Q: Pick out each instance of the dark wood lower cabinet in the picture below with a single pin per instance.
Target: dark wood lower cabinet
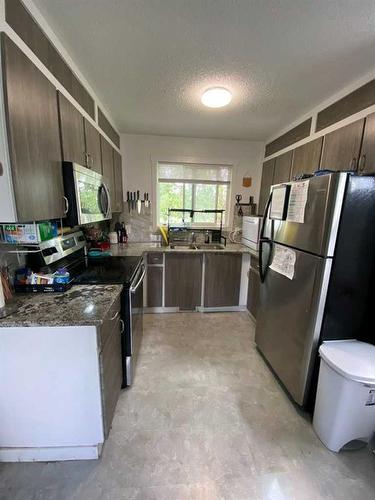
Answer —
(222, 279)
(183, 280)
(253, 290)
(154, 286)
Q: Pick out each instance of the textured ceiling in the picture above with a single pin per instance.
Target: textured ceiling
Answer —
(150, 60)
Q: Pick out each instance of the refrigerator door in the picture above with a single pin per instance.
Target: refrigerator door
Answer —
(317, 233)
(289, 320)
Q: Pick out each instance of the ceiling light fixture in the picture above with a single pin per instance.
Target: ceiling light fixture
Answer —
(216, 97)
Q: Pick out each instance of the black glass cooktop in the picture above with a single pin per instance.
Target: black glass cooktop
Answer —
(108, 271)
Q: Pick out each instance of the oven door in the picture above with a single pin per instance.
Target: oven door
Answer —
(92, 196)
(133, 324)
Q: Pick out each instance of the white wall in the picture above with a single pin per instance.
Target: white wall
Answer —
(140, 153)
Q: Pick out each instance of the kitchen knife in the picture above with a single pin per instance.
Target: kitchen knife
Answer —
(128, 199)
(139, 203)
(134, 199)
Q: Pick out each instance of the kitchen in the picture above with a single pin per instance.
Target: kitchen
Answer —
(194, 218)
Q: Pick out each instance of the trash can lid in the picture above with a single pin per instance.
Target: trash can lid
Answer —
(351, 358)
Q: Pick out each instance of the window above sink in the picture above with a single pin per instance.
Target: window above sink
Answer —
(196, 187)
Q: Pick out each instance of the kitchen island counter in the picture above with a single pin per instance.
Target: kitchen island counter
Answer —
(79, 306)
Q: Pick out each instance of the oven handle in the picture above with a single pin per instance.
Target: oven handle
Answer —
(134, 288)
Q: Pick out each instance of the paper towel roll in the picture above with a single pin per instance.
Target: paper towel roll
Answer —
(113, 238)
(2, 298)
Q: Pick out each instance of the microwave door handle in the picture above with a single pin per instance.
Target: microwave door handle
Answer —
(107, 209)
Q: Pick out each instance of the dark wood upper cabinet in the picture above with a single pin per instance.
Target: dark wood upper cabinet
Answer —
(341, 148)
(107, 167)
(359, 99)
(117, 204)
(283, 164)
(293, 135)
(183, 280)
(222, 279)
(27, 28)
(93, 150)
(266, 183)
(367, 158)
(107, 128)
(33, 136)
(306, 158)
(72, 132)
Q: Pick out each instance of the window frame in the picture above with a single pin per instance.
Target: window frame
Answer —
(194, 183)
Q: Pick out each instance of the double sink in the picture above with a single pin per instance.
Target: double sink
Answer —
(196, 246)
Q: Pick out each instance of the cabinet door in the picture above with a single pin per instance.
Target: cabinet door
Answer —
(222, 279)
(107, 166)
(154, 286)
(111, 375)
(72, 132)
(117, 172)
(183, 280)
(283, 164)
(33, 135)
(341, 147)
(367, 159)
(92, 139)
(253, 290)
(267, 181)
(306, 158)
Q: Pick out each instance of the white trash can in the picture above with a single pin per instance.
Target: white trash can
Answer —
(345, 400)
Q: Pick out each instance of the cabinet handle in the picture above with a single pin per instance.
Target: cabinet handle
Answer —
(352, 163)
(362, 163)
(66, 201)
(122, 326)
(88, 160)
(115, 316)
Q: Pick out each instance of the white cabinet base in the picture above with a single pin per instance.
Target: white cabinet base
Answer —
(50, 394)
(50, 454)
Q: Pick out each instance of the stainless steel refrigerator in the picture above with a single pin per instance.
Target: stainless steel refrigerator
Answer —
(317, 253)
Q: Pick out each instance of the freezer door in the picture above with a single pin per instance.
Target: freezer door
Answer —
(289, 321)
(317, 234)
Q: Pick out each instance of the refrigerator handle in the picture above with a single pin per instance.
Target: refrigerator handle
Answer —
(262, 240)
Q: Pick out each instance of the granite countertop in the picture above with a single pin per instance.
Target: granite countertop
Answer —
(81, 305)
(138, 249)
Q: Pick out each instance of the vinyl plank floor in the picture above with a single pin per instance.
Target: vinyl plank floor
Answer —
(205, 420)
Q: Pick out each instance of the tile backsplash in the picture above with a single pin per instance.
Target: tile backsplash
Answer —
(139, 226)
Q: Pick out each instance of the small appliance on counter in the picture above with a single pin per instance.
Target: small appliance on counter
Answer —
(87, 196)
(250, 231)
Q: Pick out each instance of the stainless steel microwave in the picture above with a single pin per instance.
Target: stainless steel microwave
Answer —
(87, 197)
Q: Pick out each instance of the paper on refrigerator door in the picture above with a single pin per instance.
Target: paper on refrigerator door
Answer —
(297, 202)
(283, 261)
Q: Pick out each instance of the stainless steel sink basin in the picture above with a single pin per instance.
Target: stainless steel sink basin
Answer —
(193, 246)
